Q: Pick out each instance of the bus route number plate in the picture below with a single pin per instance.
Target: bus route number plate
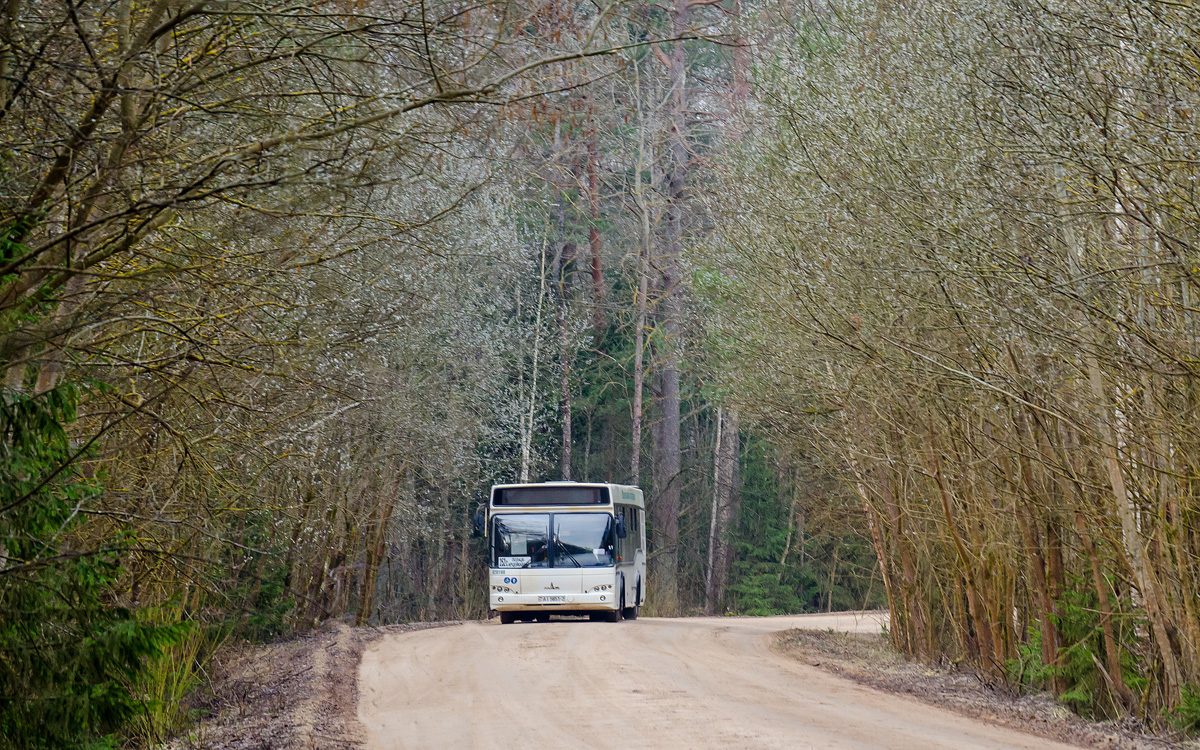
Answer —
(552, 598)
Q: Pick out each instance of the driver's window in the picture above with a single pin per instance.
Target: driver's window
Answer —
(521, 541)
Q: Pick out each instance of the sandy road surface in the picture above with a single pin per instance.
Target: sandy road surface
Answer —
(692, 683)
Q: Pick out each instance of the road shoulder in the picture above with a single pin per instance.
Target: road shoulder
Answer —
(299, 693)
(869, 660)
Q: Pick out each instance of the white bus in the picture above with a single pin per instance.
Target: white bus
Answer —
(566, 548)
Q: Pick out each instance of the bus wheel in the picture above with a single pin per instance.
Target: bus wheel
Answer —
(508, 618)
(615, 615)
(631, 613)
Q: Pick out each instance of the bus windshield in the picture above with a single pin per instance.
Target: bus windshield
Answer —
(552, 540)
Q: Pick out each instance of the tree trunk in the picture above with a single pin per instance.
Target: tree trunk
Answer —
(565, 354)
(647, 245)
(1112, 654)
(976, 603)
(668, 455)
(726, 496)
(639, 376)
(1144, 576)
(665, 510)
(712, 519)
(375, 550)
(565, 402)
(527, 418)
(1036, 564)
(914, 609)
(593, 191)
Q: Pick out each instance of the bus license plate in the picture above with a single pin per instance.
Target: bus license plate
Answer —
(552, 598)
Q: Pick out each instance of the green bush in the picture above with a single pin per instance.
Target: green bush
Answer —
(1186, 715)
(69, 656)
(1028, 671)
(172, 676)
(765, 588)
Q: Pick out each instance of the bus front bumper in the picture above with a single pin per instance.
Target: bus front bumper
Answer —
(592, 601)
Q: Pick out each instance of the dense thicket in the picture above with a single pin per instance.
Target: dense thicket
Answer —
(963, 257)
(312, 279)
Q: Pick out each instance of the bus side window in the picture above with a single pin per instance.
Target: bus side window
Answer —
(623, 543)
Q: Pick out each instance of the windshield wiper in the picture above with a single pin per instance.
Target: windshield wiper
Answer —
(558, 543)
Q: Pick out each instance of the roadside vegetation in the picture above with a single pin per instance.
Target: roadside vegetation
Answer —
(883, 305)
(963, 267)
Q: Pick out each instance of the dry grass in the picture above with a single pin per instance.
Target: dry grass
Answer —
(298, 694)
(870, 660)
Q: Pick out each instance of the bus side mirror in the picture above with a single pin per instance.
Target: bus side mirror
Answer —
(621, 530)
(477, 525)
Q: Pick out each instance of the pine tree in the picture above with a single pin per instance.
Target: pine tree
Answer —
(69, 658)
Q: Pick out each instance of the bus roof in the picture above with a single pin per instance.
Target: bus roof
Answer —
(565, 494)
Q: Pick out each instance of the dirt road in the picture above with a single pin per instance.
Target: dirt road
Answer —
(692, 683)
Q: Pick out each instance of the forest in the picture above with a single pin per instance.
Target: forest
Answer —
(884, 304)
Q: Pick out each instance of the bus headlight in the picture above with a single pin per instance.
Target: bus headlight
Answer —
(602, 587)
